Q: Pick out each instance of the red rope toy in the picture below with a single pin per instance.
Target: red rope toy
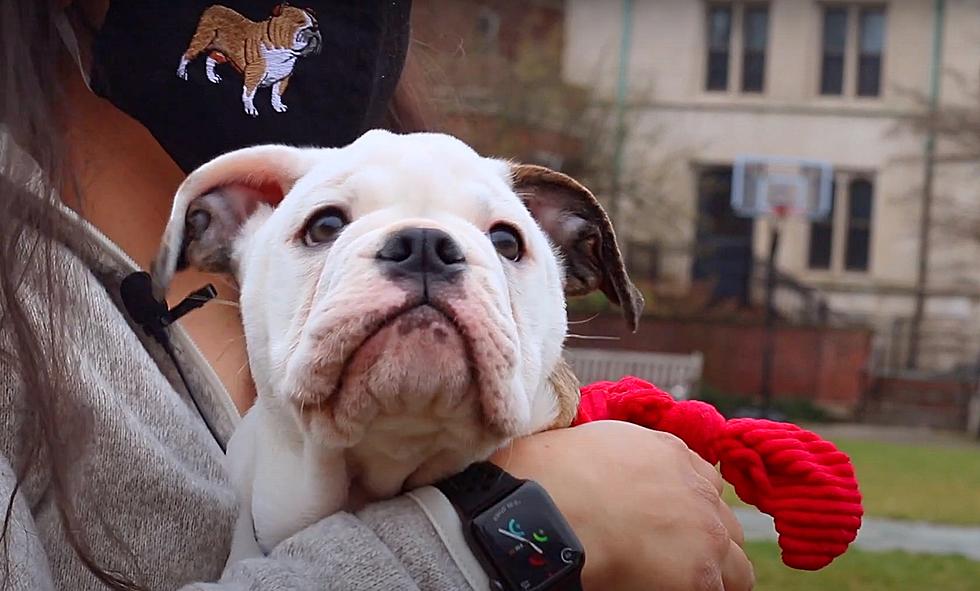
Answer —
(803, 481)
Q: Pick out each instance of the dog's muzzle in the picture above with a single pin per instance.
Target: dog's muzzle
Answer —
(313, 42)
(425, 340)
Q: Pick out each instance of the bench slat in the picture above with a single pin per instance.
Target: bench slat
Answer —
(678, 374)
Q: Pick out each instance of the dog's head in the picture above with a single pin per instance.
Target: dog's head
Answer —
(401, 287)
(296, 29)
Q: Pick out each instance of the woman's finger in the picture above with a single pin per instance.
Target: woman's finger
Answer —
(708, 471)
(736, 570)
(731, 522)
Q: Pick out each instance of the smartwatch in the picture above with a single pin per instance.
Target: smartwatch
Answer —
(515, 530)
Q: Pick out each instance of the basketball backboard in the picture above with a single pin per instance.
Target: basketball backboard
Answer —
(781, 187)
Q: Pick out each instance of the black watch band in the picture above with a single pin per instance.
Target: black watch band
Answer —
(478, 487)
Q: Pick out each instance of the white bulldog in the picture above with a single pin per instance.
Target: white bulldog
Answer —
(404, 312)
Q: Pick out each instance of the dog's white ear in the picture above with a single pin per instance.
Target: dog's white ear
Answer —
(215, 200)
(578, 226)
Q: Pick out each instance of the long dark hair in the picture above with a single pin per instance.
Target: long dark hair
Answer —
(31, 110)
(31, 78)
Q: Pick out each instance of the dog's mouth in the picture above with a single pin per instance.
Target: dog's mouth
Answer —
(313, 43)
(414, 360)
(421, 332)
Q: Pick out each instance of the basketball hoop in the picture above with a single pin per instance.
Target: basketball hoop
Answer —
(778, 189)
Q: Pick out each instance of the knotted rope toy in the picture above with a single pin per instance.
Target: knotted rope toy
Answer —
(803, 481)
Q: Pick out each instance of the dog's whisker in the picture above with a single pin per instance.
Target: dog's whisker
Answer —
(231, 341)
(510, 454)
(227, 281)
(223, 302)
(589, 319)
(228, 344)
(589, 337)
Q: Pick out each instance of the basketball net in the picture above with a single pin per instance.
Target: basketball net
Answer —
(781, 210)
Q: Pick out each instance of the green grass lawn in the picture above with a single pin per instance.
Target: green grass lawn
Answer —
(933, 482)
(865, 571)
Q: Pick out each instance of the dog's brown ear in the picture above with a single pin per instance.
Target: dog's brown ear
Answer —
(215, 200)
(578, 226)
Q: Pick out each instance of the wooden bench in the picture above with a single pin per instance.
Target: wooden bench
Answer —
(678, 374)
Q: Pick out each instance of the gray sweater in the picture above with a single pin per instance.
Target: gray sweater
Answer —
(150, 488)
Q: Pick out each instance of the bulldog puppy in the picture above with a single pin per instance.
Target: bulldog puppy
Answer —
(263, 53)
(403, 300)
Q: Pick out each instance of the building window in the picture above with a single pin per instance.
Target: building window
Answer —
(738, 30)
(834, 50)
(871, 42)
(822, 237)
(719, 40)
(858, 225)
(755, 35)
(853, 46)
(842, 241)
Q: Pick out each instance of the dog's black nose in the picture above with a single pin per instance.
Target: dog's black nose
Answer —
(424, 253)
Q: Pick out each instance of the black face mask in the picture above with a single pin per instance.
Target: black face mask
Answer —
(209, 76)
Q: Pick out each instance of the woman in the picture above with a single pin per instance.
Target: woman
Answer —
(109, 474)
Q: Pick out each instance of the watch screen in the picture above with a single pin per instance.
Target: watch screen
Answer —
(527, 539)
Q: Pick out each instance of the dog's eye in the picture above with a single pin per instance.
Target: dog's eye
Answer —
(507, 241)
(324, 226)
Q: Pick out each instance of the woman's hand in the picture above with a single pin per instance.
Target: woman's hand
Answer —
(647, 509)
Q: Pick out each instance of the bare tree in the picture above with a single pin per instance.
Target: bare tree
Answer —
(518, 105)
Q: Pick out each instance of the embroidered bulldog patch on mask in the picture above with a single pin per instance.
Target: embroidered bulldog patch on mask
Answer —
(263, 53)
(207, 77)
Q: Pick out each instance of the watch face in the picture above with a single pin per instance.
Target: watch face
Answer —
(527, 539)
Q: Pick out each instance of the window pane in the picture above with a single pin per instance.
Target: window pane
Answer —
(753, 72)
(756, 25)
(834, 48)
(719, 27)
(719, 37)
(872, 31)
(871, 45)
(869, 75)
(822, 237)
(832, 75)
(754, 57)
(717, 70)
(834, 30)
(858, 225)
(857, 249)
(860, 205)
